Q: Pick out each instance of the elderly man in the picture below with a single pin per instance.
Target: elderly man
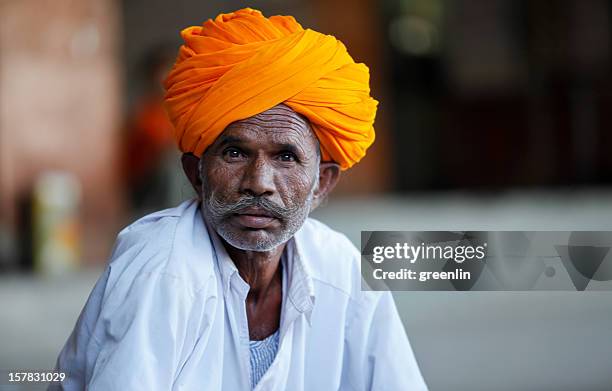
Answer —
(239, 290)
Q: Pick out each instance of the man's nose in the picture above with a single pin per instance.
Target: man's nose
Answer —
(258, 179)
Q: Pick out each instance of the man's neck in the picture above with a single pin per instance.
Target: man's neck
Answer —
(259, 269)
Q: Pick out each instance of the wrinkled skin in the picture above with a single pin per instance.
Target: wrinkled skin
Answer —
(257, 184)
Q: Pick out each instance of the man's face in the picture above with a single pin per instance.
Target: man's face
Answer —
(259, 177)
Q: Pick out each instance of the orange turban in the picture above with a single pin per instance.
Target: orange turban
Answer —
(243, 63)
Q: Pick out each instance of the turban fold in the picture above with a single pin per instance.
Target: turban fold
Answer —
(242, 63)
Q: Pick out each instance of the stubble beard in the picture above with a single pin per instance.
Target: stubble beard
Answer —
(218, 211)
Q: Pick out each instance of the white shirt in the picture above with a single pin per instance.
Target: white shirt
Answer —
(169, 314)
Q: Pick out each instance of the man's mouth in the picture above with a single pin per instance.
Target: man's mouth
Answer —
(254, 218)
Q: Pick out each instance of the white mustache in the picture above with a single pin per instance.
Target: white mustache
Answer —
(222, 209)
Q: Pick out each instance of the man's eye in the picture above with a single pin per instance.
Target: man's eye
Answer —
(287, 157)
(232, 153)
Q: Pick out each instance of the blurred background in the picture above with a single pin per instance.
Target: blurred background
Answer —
(494, 115)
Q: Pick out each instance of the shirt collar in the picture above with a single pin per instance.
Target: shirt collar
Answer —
(300, 288)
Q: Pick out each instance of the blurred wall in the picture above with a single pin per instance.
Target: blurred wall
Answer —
(495, 94)
(59, 107)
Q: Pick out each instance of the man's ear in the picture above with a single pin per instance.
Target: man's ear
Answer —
(329, 174)
(192, 170)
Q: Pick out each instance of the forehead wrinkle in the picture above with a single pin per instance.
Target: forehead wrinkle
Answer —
(270, 127)
(275, 124)
(284, 113)
(289, 116)
(275, 120)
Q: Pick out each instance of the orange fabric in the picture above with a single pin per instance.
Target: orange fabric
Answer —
(149, 135)
(242, 64)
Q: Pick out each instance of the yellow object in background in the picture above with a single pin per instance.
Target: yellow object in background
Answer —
(56, 200)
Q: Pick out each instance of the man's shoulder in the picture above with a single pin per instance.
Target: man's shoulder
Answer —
(322, 236)
(331, 257)
(173, 243)
(149, 230)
